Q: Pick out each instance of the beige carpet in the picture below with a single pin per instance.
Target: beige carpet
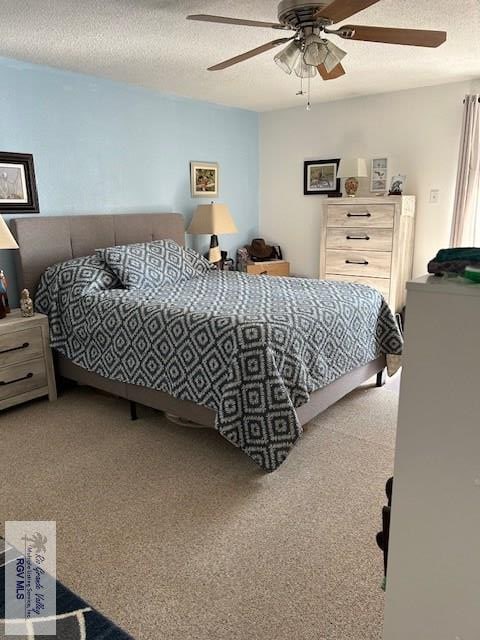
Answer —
(176, 535)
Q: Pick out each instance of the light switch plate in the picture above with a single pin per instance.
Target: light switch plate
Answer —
(434, 196)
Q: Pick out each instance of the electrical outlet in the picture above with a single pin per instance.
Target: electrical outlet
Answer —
(434, 196)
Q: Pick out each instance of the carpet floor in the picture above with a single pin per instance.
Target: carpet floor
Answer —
(176, 535)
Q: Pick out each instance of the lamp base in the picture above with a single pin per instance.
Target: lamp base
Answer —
(351, 187)
(214, 255)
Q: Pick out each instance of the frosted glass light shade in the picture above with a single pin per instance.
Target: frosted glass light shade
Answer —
(315, 51)
(305, 70)
(288, 57)
(334, 56)
(7, 241)
(352, 168)
(212, 219)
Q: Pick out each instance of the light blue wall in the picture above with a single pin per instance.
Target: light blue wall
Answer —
(106, 147)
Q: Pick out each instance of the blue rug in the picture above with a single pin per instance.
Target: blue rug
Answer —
(75, 619)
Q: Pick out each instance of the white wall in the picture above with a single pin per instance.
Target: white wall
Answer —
(419, 130)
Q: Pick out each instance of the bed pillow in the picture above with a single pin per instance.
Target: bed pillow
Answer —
(78, 276)
(148, 265)
(198, 262)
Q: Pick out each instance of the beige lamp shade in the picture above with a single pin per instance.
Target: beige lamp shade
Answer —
(352, 168)
(212, 219)
(7, 241)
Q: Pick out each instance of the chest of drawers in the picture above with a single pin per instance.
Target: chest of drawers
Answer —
(26, 368)
(369, 241)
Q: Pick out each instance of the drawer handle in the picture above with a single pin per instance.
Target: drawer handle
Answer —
(358, 237)
(25, 345)
(27, 377)
(263, 273)
(362, 262)
(367, 214)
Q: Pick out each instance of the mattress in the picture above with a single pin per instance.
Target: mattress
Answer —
(251, 348)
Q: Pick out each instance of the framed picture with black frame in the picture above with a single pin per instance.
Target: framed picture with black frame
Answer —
(320, 178)
(18, 188)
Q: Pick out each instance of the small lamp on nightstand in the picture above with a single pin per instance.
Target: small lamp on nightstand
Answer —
(212, 219)
(7, 241)
(351, 169)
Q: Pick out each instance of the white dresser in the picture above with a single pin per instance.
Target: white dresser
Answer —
(369, 241)
(433, 582)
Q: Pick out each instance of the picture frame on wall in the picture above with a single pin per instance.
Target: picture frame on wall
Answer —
(204, 178)
(379, 175)
(18, 187)
(320, 178)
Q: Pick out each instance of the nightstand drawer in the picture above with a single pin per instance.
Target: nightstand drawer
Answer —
(20, 346)
(367, 239)
(21, 378)
(277, 268)
(361, 215)
(372, 264)
(380, 284)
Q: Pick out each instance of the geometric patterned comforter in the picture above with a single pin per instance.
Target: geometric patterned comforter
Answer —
(251, 348)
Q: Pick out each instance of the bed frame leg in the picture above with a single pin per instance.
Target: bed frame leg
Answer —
(381, 378)
(133, 411)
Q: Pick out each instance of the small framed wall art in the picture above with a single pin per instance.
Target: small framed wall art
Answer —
(379, 175)
(18, 188)
(204, 178)
(320, 178)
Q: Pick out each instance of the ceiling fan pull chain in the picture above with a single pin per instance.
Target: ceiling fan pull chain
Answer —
(309, 106)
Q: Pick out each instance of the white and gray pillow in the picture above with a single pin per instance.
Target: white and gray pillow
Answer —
(148, 265)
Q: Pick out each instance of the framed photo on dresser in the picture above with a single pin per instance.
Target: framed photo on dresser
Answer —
(379, 175)
(320, 178)
(18, 188)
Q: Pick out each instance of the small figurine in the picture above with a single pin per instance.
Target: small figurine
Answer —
(26, 304)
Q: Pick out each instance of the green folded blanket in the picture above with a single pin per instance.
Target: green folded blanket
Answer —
(470, 254)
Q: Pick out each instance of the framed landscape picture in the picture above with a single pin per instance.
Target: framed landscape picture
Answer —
(204, 179)
(18, 189)
(320, 178)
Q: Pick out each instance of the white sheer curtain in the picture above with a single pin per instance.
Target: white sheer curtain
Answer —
(466, 215)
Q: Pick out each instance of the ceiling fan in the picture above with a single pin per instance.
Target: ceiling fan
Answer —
(308, 52)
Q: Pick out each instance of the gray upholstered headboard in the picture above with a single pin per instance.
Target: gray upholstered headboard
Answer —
(44, 241)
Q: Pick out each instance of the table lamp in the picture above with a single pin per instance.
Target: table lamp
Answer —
(7, 241)
(212, 219)
(351, 169)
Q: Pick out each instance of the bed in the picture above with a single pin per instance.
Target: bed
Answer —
(277, 398)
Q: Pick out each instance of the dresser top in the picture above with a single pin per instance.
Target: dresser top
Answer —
(455, 286)
(371, 200)
(14, 321)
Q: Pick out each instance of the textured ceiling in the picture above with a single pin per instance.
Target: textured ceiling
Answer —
(149, 42)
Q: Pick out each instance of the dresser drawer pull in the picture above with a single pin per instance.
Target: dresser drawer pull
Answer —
(362, 262)
(27, 377)
(25, 345)
(365, 237)
(367, 214)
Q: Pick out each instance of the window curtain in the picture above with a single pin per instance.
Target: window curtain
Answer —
(467, 197)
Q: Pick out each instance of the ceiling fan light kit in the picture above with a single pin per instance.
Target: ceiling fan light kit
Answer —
(308, 52)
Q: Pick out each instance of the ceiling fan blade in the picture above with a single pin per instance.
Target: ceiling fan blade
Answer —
(338, 72)
(249, 54)
(342, 9)
(237, 21)
(412, 37)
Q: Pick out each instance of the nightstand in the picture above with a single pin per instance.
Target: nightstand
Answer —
(26, 366)
(269, 268)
